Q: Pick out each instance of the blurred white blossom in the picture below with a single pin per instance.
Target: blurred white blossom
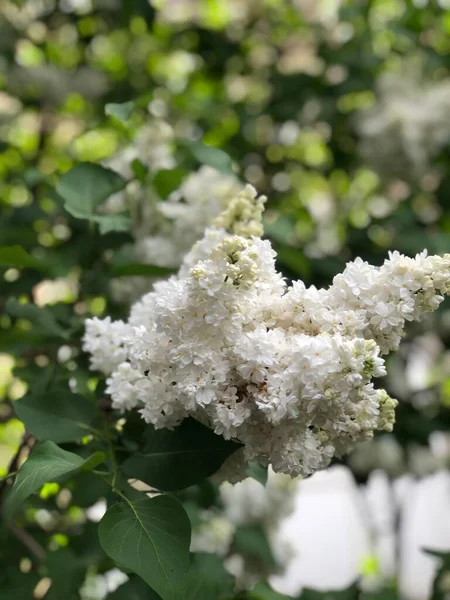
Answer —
(408, 125)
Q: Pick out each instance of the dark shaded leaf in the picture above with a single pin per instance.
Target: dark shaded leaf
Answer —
(58, 416)
(66, 572)
(139, 169)
(168, 180)
(208, 579)
(263, 591)
(16, 256)
(41, 318)
(134, 589)
(173, 460)
(251, 540)
(351, 593)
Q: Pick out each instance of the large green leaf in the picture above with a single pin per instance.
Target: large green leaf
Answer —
(14, 584)
(46, 462)
(134, 589)
(85, 187)
(173, 460)
(263, 591)
(351, 593)
(42, 319)
(251, 540)
(59, 416)
(151, 537)
(16, 256)
(67, 573)
(208, 579)
(211, 156)
(168, 180)
(86, 488)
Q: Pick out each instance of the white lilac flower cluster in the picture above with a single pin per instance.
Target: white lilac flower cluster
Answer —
(407, 127)
(286, 370)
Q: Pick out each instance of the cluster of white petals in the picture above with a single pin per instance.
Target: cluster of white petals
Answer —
(407, 127)
(285, 370)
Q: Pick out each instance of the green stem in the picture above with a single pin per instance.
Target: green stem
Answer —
(97, 433)
(114, 466)
(8, 475)
(101, 473)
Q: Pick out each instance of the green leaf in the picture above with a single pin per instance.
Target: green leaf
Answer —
(46, 462)
(263, 591)
(66, 572)
(16, 256)
(151, 537)
(139, 169)
(122, 112)
(351, 593)
(208, 579)
(139, 269)
(211, 156)
(85, 187)
(14, 584)
(42, 318)
(168, 180)
(108, 223)
(441, 554)
(251, 540)
(134, 589)
(177, 459)
(258, 472)
(294, 260)
(37, 377)
(384, 594)
(441, 573)
(86, 488)
(58, 416)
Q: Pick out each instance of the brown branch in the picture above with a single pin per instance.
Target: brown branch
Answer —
(27, 442)
(23, 536)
